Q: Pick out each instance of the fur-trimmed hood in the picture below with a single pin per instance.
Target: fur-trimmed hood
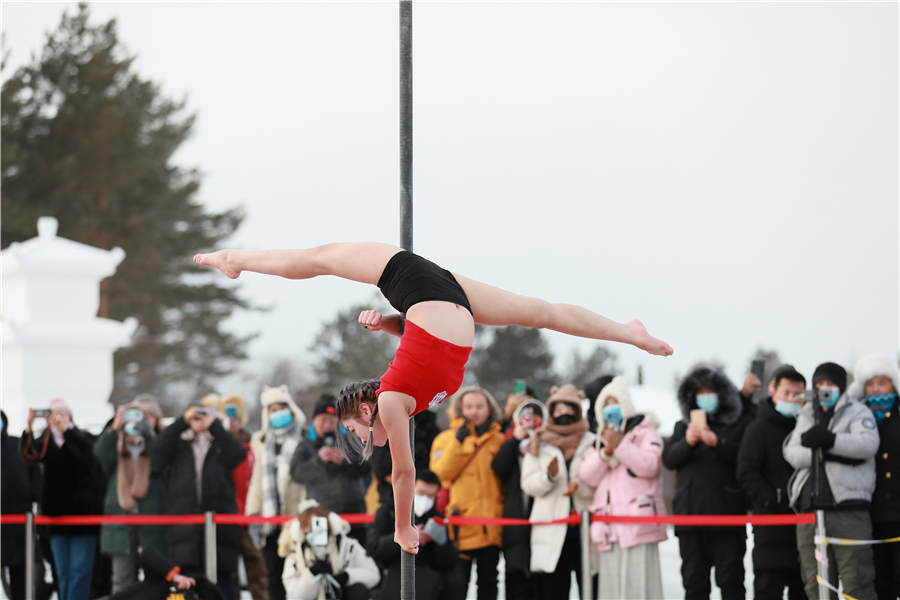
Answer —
(871, 366)
(271, 395)
(730, 406)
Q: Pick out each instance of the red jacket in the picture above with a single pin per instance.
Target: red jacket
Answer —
(241, 476)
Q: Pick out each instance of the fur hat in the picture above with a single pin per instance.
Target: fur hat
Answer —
(568, 394)
(618, 389)
(871, 366)
(831, 372)
(212, 400)
(280, 394)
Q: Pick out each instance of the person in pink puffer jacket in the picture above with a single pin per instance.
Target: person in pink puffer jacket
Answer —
(625, 466)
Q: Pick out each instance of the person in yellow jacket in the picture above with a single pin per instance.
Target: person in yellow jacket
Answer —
(461, 457)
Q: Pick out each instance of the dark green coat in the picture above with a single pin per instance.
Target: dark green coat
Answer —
(114, 538)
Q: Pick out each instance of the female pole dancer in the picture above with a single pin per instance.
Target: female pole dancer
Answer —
(441, 309)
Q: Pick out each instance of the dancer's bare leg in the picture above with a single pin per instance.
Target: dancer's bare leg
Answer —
(495, 306)
(363, 262)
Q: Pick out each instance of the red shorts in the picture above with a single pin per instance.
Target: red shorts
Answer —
(425, 367)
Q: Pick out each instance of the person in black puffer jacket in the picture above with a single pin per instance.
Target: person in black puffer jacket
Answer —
(876, 383)
(199, 456)
(73, 485)
(507, 464)
(704, 459)
(20, 488)
(764, 473)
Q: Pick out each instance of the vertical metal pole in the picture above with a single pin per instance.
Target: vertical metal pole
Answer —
(209, 537)
(29, 556)
(585, 583)
(407, 560)
(406, 139)
(822, 551)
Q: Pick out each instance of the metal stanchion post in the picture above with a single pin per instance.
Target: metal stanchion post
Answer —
(585, 583)
(209, 536)
(29, 556)
(822, 551)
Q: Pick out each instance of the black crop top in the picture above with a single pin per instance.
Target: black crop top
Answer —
(409, 279)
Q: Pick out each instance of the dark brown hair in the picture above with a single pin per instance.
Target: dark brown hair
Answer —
(347, 406)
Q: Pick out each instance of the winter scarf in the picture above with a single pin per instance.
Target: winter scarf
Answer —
(132, 474)
(277, 469)
(564, 437)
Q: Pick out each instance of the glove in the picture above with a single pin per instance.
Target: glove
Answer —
(342, 578)
(484, 426)
(320, 566)
(463, 432)
(817, 436)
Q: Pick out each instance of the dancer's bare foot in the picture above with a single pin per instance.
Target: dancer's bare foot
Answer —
(219, 260)
(643, 340)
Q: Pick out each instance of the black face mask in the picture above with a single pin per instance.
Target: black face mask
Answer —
(565, 419)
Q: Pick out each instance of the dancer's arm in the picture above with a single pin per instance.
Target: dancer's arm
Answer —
(395, 418)
(375, 321)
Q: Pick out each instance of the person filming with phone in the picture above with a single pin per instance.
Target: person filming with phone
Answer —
(322, 561)
(199, 455)
(126, 450)
(73, 485)
(703, 453)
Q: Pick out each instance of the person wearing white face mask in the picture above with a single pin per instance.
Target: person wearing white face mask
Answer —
(835, 448)
(764, 473)
(272, 491)
(436, 574)
(703, 451)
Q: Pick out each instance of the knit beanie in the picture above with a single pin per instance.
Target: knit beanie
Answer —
(325, 405)
(831, 372)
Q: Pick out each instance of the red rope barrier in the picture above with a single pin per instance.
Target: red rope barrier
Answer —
(362, 518)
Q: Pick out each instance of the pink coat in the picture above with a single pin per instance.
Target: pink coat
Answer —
(631, 486)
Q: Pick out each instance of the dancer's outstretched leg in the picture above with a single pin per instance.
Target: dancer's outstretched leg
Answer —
(494, 306)
(362, 261)
(365, 262)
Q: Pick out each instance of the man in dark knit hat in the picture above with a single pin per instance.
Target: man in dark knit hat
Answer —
(335, 483)
(832, 449)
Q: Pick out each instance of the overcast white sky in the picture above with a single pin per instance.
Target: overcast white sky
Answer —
(726, 172)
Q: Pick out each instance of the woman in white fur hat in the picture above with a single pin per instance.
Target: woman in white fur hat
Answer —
(272, 491)
(875, 382)
(625, 466)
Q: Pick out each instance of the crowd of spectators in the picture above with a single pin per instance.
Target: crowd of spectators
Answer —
(832, 449)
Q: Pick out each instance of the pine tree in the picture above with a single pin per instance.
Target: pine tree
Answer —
(86, 139)
(513, 353)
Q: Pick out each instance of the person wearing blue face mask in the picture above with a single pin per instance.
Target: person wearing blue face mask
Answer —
(832, 450)
(703, 457)
(272, 491)
(764, 474)
(876, 382)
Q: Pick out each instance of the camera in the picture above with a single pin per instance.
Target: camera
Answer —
(823, 395)
(133, 415)
(41, 413)
(329, 439)
(318, 536)
(530, 415)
